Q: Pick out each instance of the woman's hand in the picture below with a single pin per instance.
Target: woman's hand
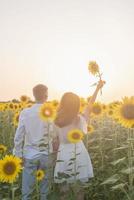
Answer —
(100, 84)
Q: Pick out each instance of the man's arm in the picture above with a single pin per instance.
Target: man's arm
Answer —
(19, 137)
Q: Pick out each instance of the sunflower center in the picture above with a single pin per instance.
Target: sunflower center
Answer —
(55, 103)
(89, 128)
(110, 112)
(39, 174)
(23, 99)
(47, 112)
(104, 107)
(15, 106)
(76, 136)
(11, 106)
(128, 111)
(9, 168)
(95, 68)
(97, 109)
(1, 149)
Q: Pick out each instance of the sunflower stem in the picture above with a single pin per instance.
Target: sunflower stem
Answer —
(49, 167)
(101, 146)
(12, 192)
(75, 170)
(123, 190)
(100, 80)
(37, 190)
(130, 161)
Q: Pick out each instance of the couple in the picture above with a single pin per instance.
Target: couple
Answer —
(31, 130)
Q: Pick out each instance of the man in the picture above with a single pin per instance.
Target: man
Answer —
(30, 133)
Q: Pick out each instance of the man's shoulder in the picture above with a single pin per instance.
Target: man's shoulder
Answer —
(31, 110)
(25, 111)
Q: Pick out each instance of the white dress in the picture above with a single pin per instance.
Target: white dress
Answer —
(67, 167)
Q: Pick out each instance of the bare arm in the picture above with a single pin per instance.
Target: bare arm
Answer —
(88, 109)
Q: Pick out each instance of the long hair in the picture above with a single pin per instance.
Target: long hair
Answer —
(68, 109)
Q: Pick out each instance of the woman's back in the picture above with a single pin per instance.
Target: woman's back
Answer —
(77, 123)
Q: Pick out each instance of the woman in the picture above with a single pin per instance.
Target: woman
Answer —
(73, 161)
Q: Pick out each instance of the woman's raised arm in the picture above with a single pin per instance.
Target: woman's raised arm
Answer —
(88, 109)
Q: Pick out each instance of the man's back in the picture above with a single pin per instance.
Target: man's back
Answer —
(31, 144)
(33, 132)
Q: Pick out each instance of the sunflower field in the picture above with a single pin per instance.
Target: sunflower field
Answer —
(110, 142)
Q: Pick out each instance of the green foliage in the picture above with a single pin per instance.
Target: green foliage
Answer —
(111, 148)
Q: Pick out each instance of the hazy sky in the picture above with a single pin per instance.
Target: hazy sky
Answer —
(52, 41)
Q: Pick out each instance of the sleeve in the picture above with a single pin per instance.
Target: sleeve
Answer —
(55, 142)
(19, 137)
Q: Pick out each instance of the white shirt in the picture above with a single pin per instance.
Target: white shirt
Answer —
(31, 138)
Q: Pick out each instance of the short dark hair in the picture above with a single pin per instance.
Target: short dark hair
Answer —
(39, 91)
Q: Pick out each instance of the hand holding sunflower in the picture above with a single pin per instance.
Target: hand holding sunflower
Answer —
(100, 84)
(93, 68)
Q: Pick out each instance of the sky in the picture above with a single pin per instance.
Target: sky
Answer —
(52, 41)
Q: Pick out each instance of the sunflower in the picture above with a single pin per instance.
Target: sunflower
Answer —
(20, 106)
(97, 109)
(5, 107)
(112, 105)
(90, 129)
(75, 136)
(40, 174)
(1, 107)
(104, 107)
(10, 167)
(3, 148)
(93, 67)
(47, 112)
(55, 103)
(16, 106)
(10, 106)
(24, 99)
(110, 110)
(125, 112)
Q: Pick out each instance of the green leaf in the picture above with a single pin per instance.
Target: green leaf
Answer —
(118, 161)
(75, 174)
(129, 170)
(69, 170)
(72, 159)
(70, 163)
(43, 145)
(111, 180)
(63, 175)
(94, 84)
(59, 160)
(120, 148)
(118, 186)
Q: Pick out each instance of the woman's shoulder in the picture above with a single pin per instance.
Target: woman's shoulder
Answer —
(81, 117)
(79, 120)
(83, 123)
